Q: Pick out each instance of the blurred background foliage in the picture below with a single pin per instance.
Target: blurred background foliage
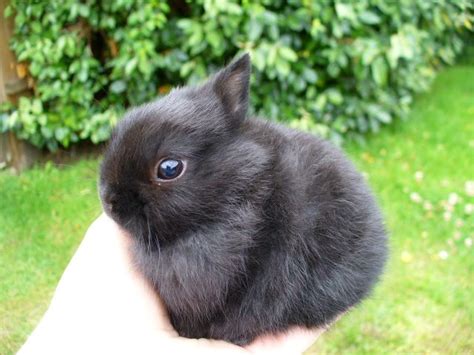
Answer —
(336, 68)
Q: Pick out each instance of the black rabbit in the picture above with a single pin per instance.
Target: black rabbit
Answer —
(243, 226)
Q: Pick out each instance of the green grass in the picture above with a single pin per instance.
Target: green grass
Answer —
(43, 216)
(424, 302)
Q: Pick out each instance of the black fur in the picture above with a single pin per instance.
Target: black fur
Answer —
(267, 228)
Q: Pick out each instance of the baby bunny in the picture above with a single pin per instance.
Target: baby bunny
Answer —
(244, 227)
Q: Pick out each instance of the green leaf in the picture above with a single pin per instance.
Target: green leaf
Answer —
(370, 51)
(258, 59)
(321, 102)
(272, 55)
(369, 17)
(345, 11)
(282, 67)
(118, 86)
(186, 69)
(335, 96)
(36, 107)
(131, 65)
(384, 117)
(310, 75)
(61, 133)
(374, 125)
(214, 39)
(288, 54)
(46, 132)
(255, 29)
(83, 75)
(380, 71)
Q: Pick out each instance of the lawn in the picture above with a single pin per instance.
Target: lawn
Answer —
(422, 171)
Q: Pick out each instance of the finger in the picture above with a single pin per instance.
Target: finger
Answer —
(102, 278)
(136, 281)
(180, 345)
(294, 341)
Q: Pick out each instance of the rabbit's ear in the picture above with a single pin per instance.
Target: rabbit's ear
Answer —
(231, 85)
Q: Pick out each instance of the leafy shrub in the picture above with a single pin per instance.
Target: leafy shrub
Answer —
(336, 68)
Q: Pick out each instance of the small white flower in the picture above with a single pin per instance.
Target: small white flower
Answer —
(415, 197)
(419, 176)
(459, 222)
(468, 242)
(406, 256)
(427, 206)
(443, 254)
(457, 235)
(453, 198)
(448, 207)
(469, 208)
(469, 187)
(447, 216)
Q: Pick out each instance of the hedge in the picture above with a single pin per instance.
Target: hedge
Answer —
(336, 68)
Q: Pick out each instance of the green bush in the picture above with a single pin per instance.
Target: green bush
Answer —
(336, 68)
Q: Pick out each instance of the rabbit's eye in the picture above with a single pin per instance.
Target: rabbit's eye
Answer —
(169, 169)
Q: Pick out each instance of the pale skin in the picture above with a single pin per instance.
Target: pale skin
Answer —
(103, 305)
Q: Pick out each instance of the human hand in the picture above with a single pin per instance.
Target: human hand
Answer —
(104, 305)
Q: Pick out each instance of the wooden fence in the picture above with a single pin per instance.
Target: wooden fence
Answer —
(14, 153)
